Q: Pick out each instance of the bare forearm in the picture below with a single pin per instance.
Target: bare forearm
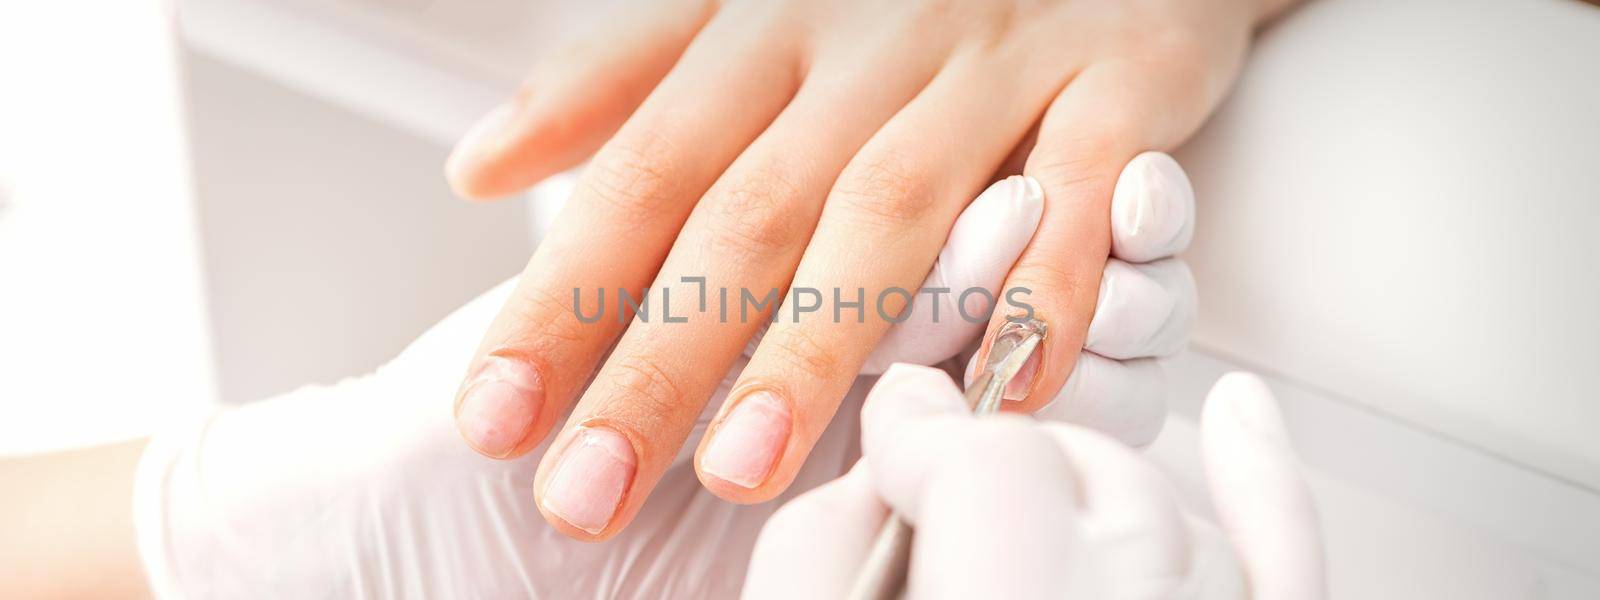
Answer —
(66, 525)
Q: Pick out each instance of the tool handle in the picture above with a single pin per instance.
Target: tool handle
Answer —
(883, 574)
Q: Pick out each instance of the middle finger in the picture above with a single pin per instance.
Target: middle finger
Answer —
(541, 349)
(744, 237)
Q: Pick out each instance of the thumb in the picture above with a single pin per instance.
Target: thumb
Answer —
(1262, 503)
(965, 282)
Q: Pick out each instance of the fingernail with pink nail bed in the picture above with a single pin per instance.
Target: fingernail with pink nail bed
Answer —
(499, 405)
(1020, 384)
(750, 440)
(591, 478)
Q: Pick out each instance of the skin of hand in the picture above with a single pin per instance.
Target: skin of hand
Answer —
(795, 144)
(1006, 507)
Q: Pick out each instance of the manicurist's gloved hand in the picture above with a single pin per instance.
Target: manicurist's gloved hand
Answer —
(1008, 507)
(824, 145)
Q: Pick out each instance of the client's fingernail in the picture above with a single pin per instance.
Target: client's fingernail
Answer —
(591, 478)
(1018, 387)
(748, 443)
(499, 405)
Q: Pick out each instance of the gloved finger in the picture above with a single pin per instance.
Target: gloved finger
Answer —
(1144, 310)
(1131, 519)
(1262, 503)
(950, 474)
(1001, 517)
(574, 100)
(813, 546)
(907, 423)
(1125, 399)
(961, 290)
(1214, 569)
(1152, 209)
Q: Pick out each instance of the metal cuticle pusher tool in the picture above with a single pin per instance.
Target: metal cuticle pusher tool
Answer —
(883, 574)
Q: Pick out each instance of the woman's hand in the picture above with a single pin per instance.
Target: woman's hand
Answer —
(761, 146)
(1010, 508)
(364, 489)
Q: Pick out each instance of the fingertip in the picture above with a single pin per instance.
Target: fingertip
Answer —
(585, 495)
(1152, 209)
(1030, 204)
(906, 385)
(467, 168)
(499, 407)
(1020, 201)
(1240, 383)
(1244, 399)
(994, 229)
(520, 143)
(741, 454)
(901, 407)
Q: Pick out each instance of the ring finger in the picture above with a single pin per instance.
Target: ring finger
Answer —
(880, 230)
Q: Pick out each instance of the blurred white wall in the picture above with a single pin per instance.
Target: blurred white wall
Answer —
(1398, 206)
(175, 230)
(102, 310)
(330, 240)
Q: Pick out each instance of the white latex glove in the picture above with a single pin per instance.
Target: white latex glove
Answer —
(1008, 507)
(364, 488)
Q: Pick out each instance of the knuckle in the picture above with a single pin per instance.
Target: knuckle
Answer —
(1173, 40)
(750, 216)
(1066, 286)
(887, 188)
(653, 393)
(803, 352)
(547, 317)
(1078, 169)
(633, 175)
